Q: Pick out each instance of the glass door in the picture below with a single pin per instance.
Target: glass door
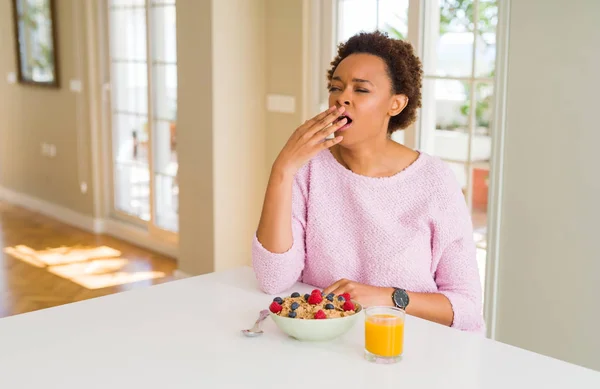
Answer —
(143, 73)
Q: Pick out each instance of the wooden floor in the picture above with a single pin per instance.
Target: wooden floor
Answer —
(45, 263)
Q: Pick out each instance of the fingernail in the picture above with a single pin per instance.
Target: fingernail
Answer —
(341, 109)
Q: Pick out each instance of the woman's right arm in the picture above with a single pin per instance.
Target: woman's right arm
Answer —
(275, 226)
(278, 247)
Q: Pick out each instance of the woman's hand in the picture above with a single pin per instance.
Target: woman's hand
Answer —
(430, 306)
(366, 295)
(307, 140)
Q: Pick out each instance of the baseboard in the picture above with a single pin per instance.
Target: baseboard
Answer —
(138, 236)
(132, 234)
(179, 275)
(58, 212)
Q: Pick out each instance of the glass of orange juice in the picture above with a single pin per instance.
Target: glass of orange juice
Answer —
(384, 334)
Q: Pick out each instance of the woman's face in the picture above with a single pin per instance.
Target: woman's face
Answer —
(361, 84)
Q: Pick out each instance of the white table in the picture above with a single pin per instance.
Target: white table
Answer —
(186, 334)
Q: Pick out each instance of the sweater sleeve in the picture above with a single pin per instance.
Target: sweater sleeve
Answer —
(454, 251)
(277, 272)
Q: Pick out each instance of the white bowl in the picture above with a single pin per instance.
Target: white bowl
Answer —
(317, 329)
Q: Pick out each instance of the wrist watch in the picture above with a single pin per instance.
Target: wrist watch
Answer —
(400, 298)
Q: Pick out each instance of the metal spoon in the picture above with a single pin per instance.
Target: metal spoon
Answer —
(255, 331)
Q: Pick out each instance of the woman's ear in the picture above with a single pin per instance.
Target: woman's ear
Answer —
(399, 102)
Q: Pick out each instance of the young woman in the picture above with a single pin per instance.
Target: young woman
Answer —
(362, 214)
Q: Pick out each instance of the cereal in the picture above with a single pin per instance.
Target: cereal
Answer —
(307, 306)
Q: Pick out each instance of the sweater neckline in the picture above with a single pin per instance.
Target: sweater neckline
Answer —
(402, 174)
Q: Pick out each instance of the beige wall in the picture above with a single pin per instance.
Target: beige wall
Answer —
(195, 136)
(549, 254)
(256, 48)
(33, 115)
(284, 70)
(221, 48)
(239, 127)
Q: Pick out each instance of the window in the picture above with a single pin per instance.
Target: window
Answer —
(143, 63)
(385, 15)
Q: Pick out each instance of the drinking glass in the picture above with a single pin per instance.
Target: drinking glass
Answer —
(384, 334)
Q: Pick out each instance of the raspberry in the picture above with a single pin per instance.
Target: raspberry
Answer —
(315, 299)
(320, 315)
(348, 306)
(275, 307)
(346, 296)
(316, 291)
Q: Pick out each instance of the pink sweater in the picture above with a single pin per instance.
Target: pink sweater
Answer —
(411, 230)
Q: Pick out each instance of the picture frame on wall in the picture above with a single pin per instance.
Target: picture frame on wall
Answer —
(35, 42)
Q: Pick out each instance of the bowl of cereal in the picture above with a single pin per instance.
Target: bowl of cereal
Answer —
(315, 316)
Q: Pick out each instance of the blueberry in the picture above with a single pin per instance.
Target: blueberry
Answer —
(329, 306)
(295, 306)
(306, 296)
(295, 294)
(278, 300)
(341, 298)
(330, 297)
(292, 314)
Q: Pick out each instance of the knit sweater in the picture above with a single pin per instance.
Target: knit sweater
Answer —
(411, 230)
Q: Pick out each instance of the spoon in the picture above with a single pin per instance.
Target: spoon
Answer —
(255, 331)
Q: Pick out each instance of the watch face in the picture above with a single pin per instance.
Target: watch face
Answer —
(400, 298)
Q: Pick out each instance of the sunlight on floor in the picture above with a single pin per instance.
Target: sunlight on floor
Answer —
(90, 267)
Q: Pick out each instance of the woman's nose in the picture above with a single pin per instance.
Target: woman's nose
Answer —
(343, 99)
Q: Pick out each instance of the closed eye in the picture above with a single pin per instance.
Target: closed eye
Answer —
(335, 89)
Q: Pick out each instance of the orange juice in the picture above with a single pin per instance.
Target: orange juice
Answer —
(384, 333)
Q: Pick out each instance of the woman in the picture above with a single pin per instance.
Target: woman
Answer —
(362, 214)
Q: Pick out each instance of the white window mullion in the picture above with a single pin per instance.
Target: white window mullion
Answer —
(164, 83)
(411, 135)
(430, 33)
(151, 115)
(329, 13)
(472, 108)
(416, 10)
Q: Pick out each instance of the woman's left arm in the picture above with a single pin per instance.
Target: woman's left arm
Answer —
(458, 301)
(430, 306)
(454, 258)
